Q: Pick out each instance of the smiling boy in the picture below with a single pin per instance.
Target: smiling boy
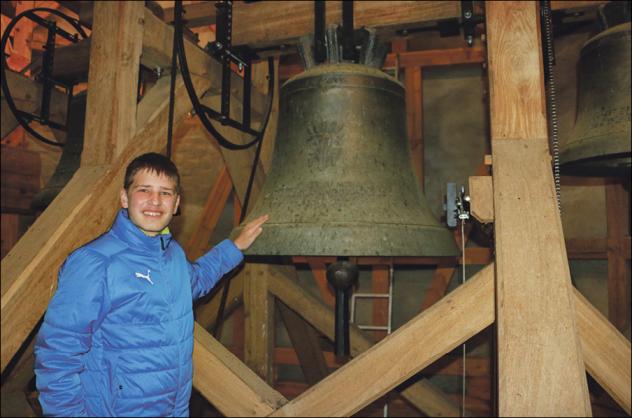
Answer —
(117, 338)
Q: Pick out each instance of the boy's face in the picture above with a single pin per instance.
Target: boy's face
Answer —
(151, 201)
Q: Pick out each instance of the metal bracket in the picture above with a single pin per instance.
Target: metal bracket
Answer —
(468, 21)
(456, 206)
(223, 51)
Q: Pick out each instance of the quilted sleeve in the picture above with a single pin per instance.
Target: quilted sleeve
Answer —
(208, 269)
(75, 311)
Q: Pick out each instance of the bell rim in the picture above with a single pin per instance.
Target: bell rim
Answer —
(405, 241)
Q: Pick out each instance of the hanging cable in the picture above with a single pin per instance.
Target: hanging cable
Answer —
(202, 112)
(462, 282)
(172, 90)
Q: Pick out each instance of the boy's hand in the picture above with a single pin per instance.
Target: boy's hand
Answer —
(250, 232)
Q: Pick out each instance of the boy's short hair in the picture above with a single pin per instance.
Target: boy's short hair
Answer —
(154, 162)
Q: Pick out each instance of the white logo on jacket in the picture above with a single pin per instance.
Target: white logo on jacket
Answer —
(144, 276)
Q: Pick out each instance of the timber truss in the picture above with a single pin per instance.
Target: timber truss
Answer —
(542, 363)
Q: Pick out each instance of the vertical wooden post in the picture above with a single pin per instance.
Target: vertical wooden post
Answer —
(381, 280)
(117, 38)
(413, 81)
(540, 367)
(258, 321)
(618, 213)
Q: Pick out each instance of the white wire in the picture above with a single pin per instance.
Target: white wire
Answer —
(463, 281)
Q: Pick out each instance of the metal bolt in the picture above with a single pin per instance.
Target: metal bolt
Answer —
(158, 71)
(467, 14)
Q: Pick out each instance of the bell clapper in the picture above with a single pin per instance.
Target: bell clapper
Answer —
(342, 275)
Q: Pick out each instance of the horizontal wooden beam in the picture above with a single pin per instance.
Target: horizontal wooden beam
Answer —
(196, 13)
(422, 394)
(436, 57)
(269, 23)
(71, 62)
(418, 343)
(261, 24)
(228, 383)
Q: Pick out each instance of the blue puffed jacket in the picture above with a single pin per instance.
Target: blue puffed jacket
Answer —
(117, 338)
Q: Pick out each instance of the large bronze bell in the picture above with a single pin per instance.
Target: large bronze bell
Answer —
(600, 141)
(341, 181)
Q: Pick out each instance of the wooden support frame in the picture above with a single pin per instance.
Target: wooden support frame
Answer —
(258, 321)
(421, 394)
(225, 381)
(618, 227)
(540, 368)
(415, 345)
(113, 79)
(306, 344)
(97, 184)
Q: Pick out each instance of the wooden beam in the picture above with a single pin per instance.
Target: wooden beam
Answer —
(305, 340)
(481, 198)
(319, 272)
(157, 48)
(84, 209)
(412, 347)
(540, 367)
(586, 248)
(20, 180)
(227, 383)
(206, 314)
(213, 208)
(71, 62)
(306, 344)
(618, 226)
(436, 57)
(196, 13)
(606, 352)
(438, 285)
(422, 394)
(258, 321)
(269, 23)
(113, 80)
(27, 95)
(413, 81)
(380, 283)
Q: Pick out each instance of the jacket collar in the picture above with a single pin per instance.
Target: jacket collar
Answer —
(132, 235)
